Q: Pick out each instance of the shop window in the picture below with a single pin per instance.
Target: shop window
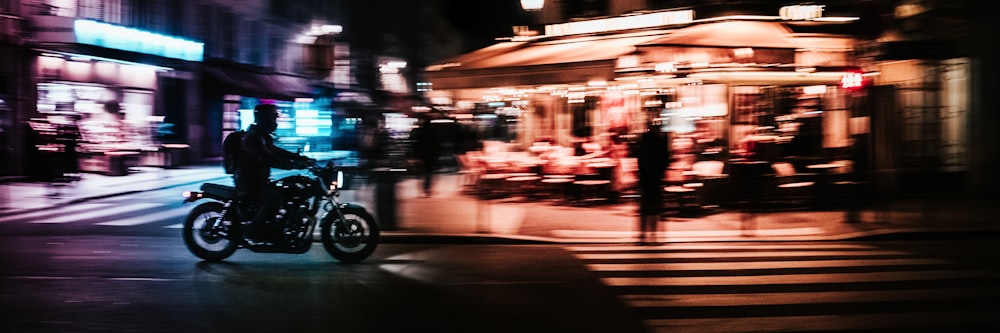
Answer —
(108, 11)
(66, 8)
(302, 125)
(697, 117)
(6, 7)
(582, 122)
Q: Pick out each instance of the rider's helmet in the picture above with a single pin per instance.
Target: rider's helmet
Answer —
(266, 116)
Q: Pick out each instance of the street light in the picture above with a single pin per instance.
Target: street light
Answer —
(532, 5)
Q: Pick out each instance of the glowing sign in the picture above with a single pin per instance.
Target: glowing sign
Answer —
(665, 67)
(801, 12)
(852, 81)
(621, 23)
(128, 39)
(532, 5)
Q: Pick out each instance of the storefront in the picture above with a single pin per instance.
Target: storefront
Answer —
(718, 80)
(231, 90)
(303, 125)
(728, 89)
(116, 94)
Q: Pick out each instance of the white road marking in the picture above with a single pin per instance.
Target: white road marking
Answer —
(53, 211)
(99, 213)
(178, 212)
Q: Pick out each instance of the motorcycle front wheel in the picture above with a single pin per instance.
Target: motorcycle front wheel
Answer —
(204, 234)
(352, 239)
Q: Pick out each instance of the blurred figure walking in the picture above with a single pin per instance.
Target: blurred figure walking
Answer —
(653, 158)
(426, 147)
(372, 142)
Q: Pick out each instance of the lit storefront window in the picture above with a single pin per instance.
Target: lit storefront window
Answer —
(109, 118)
(303, 124)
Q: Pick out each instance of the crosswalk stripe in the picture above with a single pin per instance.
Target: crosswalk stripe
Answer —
(679, 234)
(57, 211)
(843, 322)
(142, 219)
(745, 254)
(708, 266)
(817, 297)
(99, 213)
(757, 280)
(705, 288)
(743, 246)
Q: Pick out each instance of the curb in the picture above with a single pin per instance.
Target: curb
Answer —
(400, 237)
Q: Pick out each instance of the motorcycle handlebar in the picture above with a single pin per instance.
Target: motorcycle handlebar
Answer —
(315, 166)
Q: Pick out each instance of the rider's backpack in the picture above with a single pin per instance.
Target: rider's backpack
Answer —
(231, 151)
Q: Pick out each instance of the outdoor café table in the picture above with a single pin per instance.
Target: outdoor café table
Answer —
(558, 186)
(824, 166)
(525, 184)
(824, 181)
(602, 168)
(491, 185)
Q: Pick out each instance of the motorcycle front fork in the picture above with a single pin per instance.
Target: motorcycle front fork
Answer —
(337, 213)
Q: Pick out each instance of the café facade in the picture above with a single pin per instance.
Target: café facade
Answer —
(726, 88)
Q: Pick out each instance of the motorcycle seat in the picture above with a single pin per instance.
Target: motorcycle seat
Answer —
(221, 191)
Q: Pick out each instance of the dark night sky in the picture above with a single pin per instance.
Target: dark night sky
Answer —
(483, 21)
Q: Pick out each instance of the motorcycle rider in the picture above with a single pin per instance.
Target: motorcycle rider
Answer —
(252, 170)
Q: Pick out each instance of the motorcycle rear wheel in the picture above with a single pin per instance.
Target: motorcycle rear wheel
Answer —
(353, 239)
(202, 239)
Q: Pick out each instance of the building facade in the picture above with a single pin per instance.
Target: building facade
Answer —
(158, 82)
(881, 86)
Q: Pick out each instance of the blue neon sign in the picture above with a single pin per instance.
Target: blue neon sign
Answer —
(128, 39)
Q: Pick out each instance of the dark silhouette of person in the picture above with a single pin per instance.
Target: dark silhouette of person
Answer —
(36, 166)
(69, 136)
(653, 158)
(252, 170)
(372, 141)
(426, 147)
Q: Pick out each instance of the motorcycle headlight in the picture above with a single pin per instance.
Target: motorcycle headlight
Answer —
(337, 181)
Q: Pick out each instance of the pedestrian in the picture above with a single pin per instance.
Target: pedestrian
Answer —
(653, 157)
(68, 134)
(372, 141)
(426, 148)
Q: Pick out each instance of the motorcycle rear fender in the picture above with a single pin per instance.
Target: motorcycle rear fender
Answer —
(351, 205)
(192, 196)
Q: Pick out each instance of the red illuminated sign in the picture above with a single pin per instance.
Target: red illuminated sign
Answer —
(852, 81)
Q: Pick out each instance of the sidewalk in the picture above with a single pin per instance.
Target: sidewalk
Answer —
(448, 215)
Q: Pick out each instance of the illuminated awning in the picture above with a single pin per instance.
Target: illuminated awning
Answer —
(733, 51)
(257, 84)
(753, 34)
(515, 63)
(734, 43)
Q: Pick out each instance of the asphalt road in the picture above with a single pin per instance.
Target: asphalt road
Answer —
(113, 283)
(151, 284)
(100, 267)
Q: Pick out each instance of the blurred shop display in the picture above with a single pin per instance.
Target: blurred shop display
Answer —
(113, 129)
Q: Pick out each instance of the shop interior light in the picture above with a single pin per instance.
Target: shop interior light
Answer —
(532, 5)
(597, 83)
(81, 57)
(814, 90)
(852, 80)
(134, 40)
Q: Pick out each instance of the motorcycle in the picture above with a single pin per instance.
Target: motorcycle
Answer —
(214, 230)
